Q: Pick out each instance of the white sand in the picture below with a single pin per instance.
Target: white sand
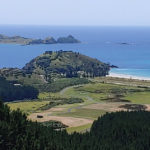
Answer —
(127, 76)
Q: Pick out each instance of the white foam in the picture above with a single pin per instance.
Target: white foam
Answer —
(127, 76)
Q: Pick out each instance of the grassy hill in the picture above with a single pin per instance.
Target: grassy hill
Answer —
(66, 64)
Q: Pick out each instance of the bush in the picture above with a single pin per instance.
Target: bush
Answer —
(61, 101)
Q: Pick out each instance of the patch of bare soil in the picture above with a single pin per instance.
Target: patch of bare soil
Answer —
(109, 107)
(147, 107)
(69, 121)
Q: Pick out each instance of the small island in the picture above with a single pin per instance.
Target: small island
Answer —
(29, 41)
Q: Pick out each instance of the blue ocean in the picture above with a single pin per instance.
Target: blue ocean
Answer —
(126, 47)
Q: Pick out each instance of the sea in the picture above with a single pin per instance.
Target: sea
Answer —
(125, 47)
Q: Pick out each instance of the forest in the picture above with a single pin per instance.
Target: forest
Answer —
(11, 92)
(112, 131)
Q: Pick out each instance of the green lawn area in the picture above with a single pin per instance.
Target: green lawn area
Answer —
(83, 113)
(81, 129)
(139, 97)
(85, 95)
(47, 95)
(27, 106)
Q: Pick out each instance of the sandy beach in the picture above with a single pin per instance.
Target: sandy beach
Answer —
(127, 76)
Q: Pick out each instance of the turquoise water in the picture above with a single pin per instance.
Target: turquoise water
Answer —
(102, 43)
(133, 72)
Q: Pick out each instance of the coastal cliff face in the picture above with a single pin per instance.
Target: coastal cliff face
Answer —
(66, 64)
(29, 41)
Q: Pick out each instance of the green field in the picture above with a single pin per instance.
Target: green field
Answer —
(84, 113)
(97, 93)
(81, 129)
(27, 107)
(139, 98)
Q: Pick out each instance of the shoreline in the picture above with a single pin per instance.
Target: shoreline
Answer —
(127, 76)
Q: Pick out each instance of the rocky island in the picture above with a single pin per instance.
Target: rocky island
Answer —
(29, 41)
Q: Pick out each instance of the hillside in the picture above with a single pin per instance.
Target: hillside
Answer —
(66, 64)
(29, 41)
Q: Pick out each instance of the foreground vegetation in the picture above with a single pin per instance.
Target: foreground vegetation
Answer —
(120, 130)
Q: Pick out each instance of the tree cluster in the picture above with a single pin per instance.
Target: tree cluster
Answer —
(10, 91)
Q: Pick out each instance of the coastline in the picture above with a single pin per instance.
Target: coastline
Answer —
(127, 76)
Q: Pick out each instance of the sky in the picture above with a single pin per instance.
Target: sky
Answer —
(76, 12)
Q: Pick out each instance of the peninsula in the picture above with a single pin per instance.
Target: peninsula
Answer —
(29, 41)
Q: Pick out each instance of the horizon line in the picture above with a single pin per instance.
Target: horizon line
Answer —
(75, 25)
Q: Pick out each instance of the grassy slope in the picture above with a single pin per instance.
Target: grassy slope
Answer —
(81, 129)
(139, 98)
(84, 113)
(27, 107)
